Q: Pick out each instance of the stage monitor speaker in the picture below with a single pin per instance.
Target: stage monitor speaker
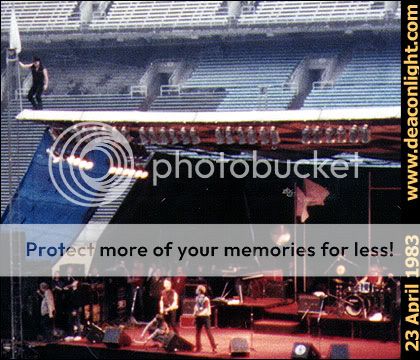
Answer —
(239, 347)
(339, 351)
(174, 342)
(305, 351)
(308, 303)
(94, 334)
(116, 337)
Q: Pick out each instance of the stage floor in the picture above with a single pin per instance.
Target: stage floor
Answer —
(273, 346)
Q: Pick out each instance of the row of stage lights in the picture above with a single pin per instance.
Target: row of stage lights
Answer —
(132, 173)
(83, 164)
(248, 136)
(340, 135)
(224, 135)
(72, 160)
(163, 136)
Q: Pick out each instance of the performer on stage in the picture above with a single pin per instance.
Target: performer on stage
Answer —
(157, 328)
(373, 277)
(57, 287)
(47, 311)
(202, 312)
(169, 304)
(39, 82)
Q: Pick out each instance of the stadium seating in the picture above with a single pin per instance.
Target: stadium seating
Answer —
(251, 77)
(188, 102)
(372, 78)
(41, 16)
(93, 79)
(291, 12)
(237, 80)
(162, 14)
(56, 16)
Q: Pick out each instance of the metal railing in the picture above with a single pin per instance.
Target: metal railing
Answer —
(138, 89)
(177, 90)
(316, 85)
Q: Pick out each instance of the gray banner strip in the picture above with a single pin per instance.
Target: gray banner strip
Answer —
(209, 250)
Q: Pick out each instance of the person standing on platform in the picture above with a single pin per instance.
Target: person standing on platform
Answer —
(40, 82)
(202, 313)
(168, 305)
(47, 311)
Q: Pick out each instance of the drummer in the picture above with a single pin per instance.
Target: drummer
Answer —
(373, 277)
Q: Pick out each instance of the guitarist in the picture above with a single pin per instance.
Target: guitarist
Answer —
(168, 305)
(202, 312)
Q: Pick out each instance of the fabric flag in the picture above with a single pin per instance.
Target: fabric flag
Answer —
(315, 194)
(301, 205)
(14, 37)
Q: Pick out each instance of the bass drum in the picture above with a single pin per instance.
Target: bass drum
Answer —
(356, 304)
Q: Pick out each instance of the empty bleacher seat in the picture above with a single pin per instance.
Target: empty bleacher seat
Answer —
(40, 16)
(161, 14)
(371, 78)
(291, 12)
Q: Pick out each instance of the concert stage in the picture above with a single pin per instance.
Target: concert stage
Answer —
(264, 346)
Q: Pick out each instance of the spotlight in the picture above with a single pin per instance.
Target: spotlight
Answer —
(82, 164)
(280, 235)
(152, 135)
(173, 137)
(241, 135)
(195, 139)
(71, 159)
(340, 270)
(76, 161)
(143, 136)
(329, 135)
(341, 135)
(354, 134)
(219, 136)
(316, 135)
(306, 135)
(264, 139)
(252, 136)
(124, 131)
(125, 172)
(365, 134)
(162, 139)
(184, 136)
(119, 171)
(138, 174)
(131, 172)
(305, 351)
(89, 165)
(229, 136)
(144, 174)
(112, 170)
(274, 136)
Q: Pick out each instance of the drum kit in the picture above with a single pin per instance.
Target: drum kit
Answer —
(360, 299)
